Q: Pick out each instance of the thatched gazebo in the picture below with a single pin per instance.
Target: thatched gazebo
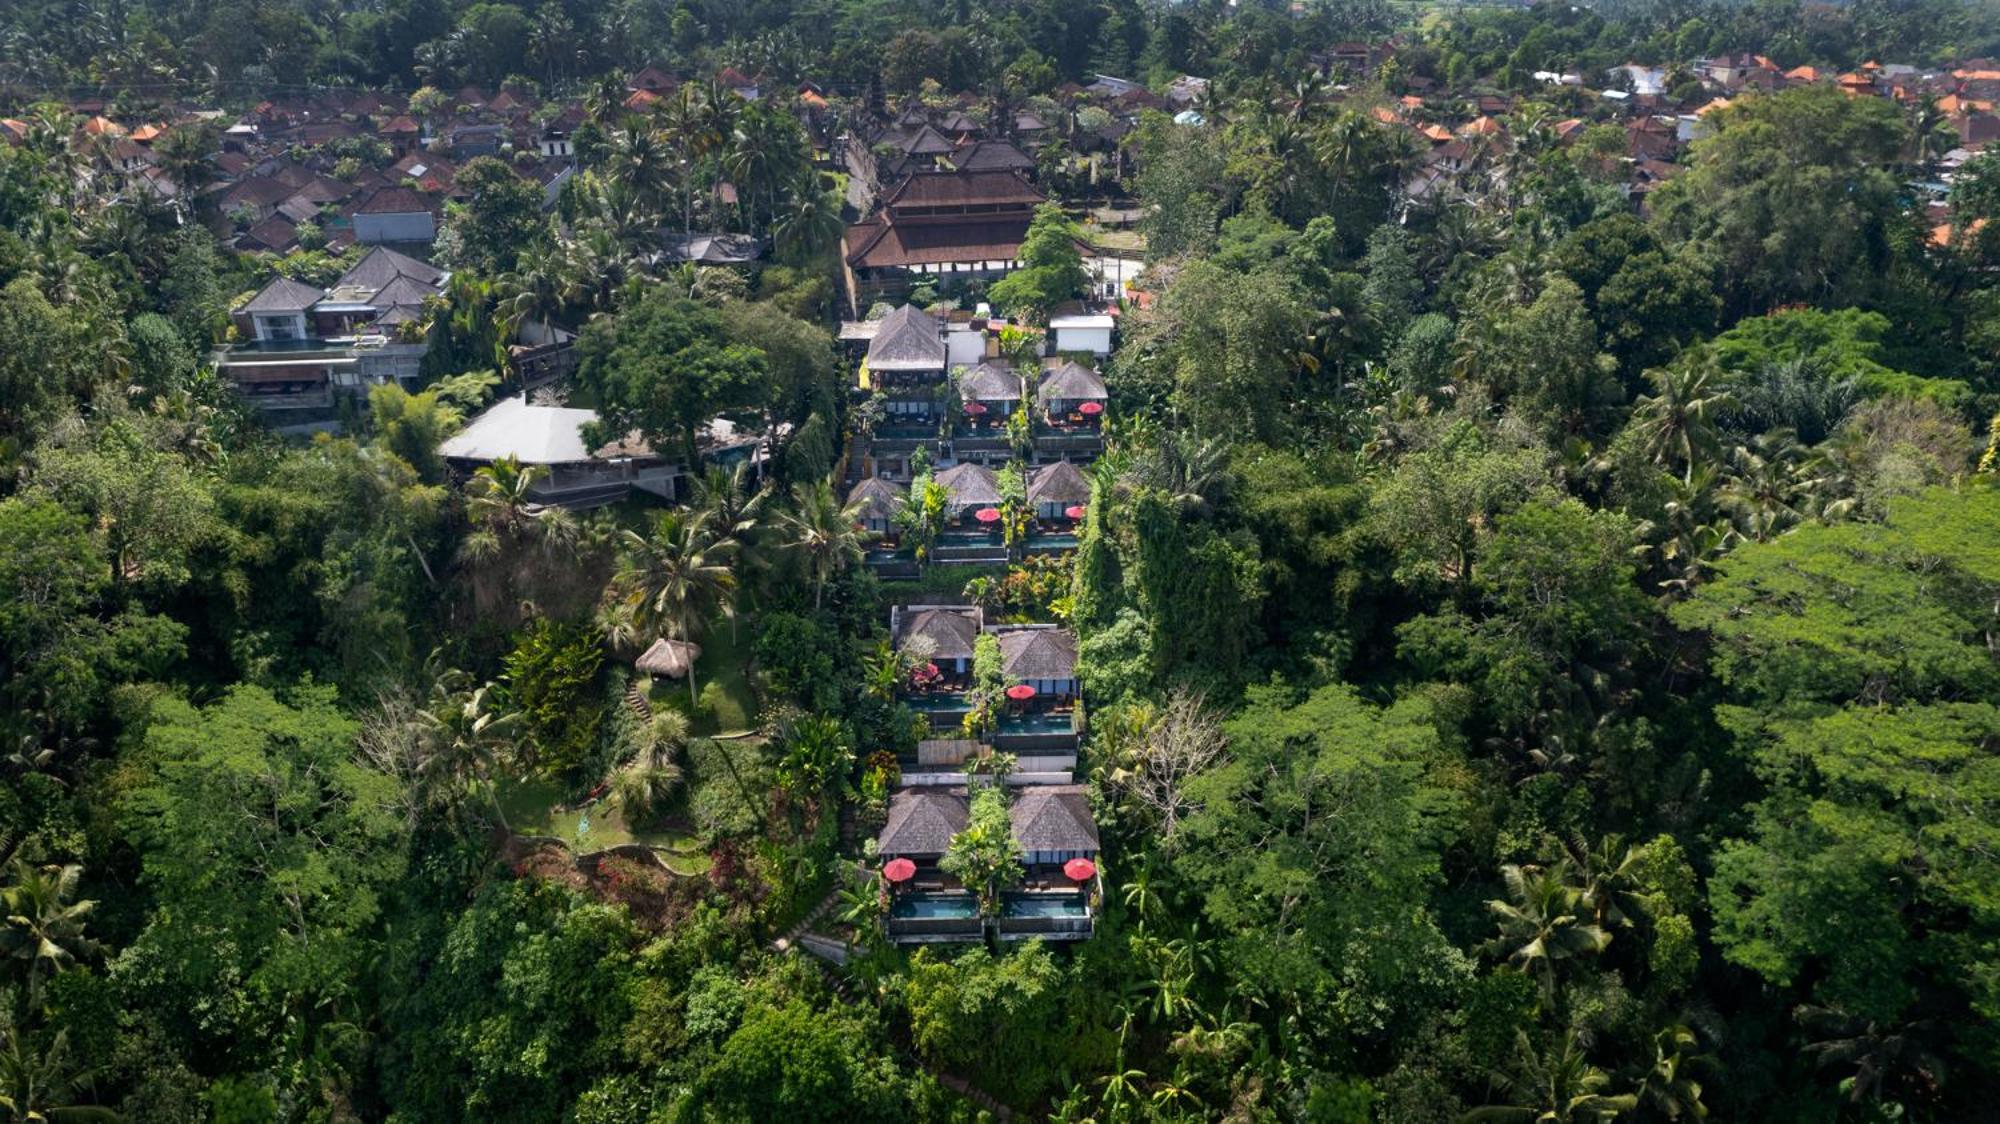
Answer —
(669, 658)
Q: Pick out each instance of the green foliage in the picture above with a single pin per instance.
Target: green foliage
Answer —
(665, 367)
(553, 683)
(1847, 345)
(985, 855)
(266, 849)
(796, 655)
(1051, 270)
(996, 1019)
(1312, 849)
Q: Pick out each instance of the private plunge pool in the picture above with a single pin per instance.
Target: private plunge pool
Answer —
(934, 907)
(1044, 905)
(943, 703)
(1037, 722)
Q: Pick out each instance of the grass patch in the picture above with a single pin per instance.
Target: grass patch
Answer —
(725, 660)
(530, 805)
(938, 581)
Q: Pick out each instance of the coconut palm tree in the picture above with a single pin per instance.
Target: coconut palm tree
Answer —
(1553, 1088)
(1666, 1088)
(678, 577)
(36, 1088)
(1542, 925)
(1875, 1057)
(1604, 879)
(44, 922)
(463, 737)
(1678, 421)
(809, 222)
(824, 534)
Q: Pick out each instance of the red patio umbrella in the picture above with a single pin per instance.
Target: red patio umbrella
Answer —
(975, 407)
(1079, 870)
(987, 515)
(1090, 409)
(1020, 692)
(899, 870)
(1074, 511)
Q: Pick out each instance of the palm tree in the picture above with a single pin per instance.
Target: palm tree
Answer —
(1541, 926)
(1763, 484)
(679, 577)
(44, 921)
(825, 534)
(1666, 1087)
(506, 524)
(463, 737)
(809, 223)
(32, 1085)
(1876, 1056)
(1678, 421)
(924, 514)
(1553, 1089)
(1604, 878)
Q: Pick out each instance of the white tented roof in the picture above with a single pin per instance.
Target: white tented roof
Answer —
(1083, 320)
(529, 434)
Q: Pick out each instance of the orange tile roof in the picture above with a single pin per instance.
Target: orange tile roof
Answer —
(1483, 127)
(146, 133)
(1943, 235)
(1803, 74)
(1383, 114)
(641, 99)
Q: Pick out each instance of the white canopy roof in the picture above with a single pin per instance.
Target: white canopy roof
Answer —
(529, 434)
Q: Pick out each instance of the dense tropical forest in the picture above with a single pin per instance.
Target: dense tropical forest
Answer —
(1538, 632)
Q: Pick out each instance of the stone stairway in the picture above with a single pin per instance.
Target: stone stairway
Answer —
(791, 937)
(636, 699)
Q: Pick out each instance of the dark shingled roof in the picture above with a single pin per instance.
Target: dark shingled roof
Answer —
(952, 631)
(395, 201)
(959, 189)
(991, 156)
(879, 498)
(1053, 818)
(1037, 653)
(990, 382)
(971, 485)
(922, 821)
(282, 295)
(1071, 381)
(382, 265)
(1060, 482)
(880, 245)
(908, 339)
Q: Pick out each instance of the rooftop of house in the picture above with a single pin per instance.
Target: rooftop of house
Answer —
(1059, 482)
(990, 382)
(1070, 382)
(908, 339)
(1054, 818)
(922, 821)
(950, 629)
(1037, 653)
(877, 498)
(970, 484)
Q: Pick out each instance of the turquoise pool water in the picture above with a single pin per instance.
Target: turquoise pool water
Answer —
(935, 907)
(939, 704)
(1052, 542)
(1044, 905)
(1036, 724)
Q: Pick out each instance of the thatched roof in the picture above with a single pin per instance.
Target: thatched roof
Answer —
(922, 821)
(971, 485)
(990, 382)
(1037, 653)
(1060, 482)
(950, 631)
(908, 339)
(669, 658)
(1053, 818)
(879, 498)
(1070, 382)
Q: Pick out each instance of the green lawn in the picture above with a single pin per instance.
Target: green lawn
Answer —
(530, 802)
(725, 659)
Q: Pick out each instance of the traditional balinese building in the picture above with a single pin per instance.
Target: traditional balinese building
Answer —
(944, 225)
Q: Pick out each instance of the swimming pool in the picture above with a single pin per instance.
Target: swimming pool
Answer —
(1052, 542)
(935, 907)
(1044, 905)
(1037, 723)
(952, 703)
